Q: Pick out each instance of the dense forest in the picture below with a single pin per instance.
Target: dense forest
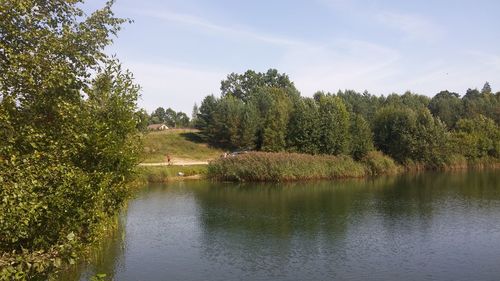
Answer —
(265, 112)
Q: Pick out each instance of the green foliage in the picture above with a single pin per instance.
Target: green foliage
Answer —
(431, 140)
(205, 118)
(408, 136)
(334, 126)
(245, 86)
(482, 103)
(275, 120)
(363, 104)
(447, 106)
(394, 128)
(263, 111)
(477, 137)
(303, 130)
(408, 100)
(361, 138)
(69, 137)
(170, 118)
(265, 166)
(142, 118)
(247, 132)
(378, 164)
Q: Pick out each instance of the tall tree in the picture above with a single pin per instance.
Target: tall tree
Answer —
(334, 125)
(394, 129)
(486, 88)
(250, 120)
(361, 137)
(244, 86)
(158, 116)
(275, 114)
(303, 129)
(181, 120)
(448, 107)
(205, 118)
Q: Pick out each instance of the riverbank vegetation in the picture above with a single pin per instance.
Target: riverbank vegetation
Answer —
(69, 142)
(267, 166)
(265, 112)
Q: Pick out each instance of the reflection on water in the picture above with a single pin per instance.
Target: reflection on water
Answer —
(432, 226)
(105, 257)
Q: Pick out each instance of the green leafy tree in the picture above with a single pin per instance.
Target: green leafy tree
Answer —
(170, 118)
(244, 86)
(249, 125)
(303, 129)
(394, 129)
(408, 99)
(482, 103)
(205, 118)
(158, 116)
(182, 120)
(431, 140)
(275, 115)
(448, 107)
(226, 121)
(361, 137)
(68, 132)
(477, 137)
(364, 104)
(334, 126)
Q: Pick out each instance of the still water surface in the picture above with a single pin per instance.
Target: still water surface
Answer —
(431, 226)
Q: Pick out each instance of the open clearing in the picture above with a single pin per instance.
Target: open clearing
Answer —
(184, 147)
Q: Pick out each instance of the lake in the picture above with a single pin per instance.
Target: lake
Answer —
(429, 226)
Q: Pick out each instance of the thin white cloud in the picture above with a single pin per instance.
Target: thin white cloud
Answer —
(352, 64)
(179, 87)
(238, 32)
(413, 26)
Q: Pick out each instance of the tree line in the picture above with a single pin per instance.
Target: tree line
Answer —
(169, 117)
(265, 112)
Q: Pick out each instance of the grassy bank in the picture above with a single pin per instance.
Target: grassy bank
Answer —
(179, 144)
(159, 174)
(261, 166)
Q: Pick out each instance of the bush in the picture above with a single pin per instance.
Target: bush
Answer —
(378, 164)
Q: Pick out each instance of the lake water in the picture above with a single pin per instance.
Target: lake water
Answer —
(431, 226)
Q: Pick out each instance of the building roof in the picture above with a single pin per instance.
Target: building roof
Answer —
(156, 126)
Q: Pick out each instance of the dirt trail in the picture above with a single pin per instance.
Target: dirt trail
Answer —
(177, 162)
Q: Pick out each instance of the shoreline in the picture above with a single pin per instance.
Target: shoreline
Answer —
(286, 167)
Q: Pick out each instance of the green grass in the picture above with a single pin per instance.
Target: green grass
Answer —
(158, 174)
(178, 143)
(261, 166)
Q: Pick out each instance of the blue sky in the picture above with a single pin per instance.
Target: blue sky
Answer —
(179, 51)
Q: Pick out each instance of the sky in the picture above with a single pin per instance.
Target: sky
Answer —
(180, 50)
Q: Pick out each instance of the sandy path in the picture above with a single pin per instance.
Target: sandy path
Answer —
(176, 162)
